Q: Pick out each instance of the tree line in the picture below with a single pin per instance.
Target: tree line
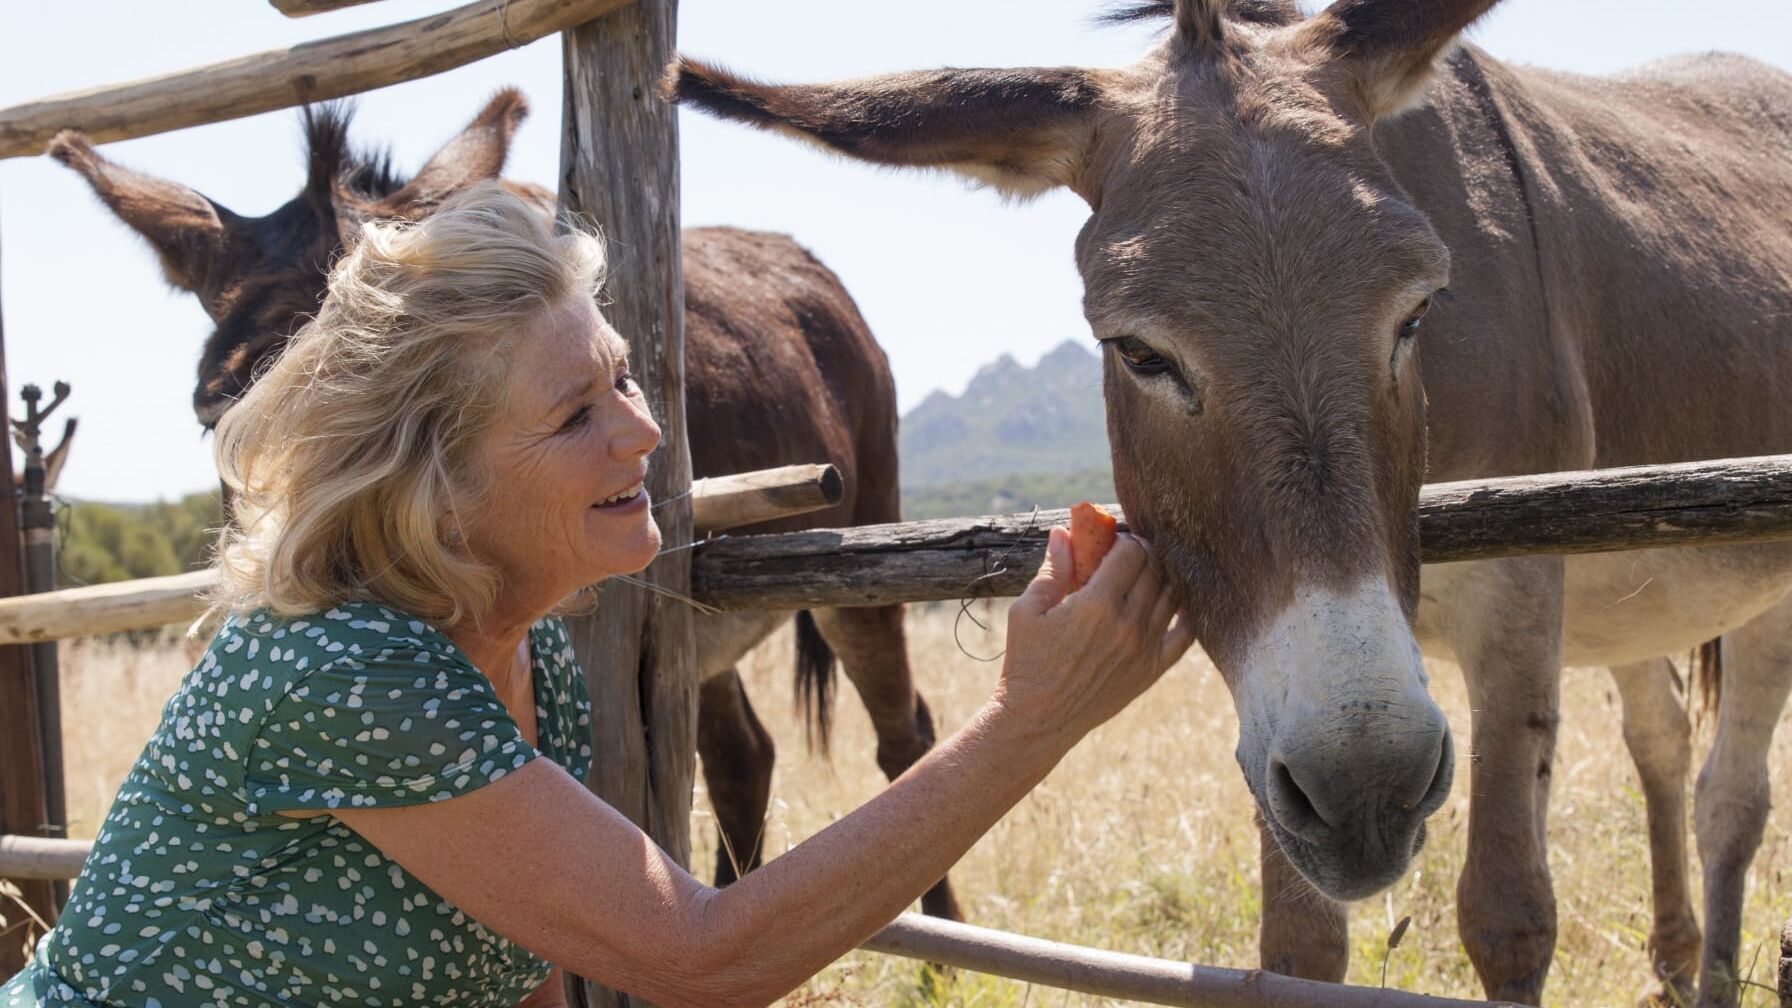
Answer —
(100, 542)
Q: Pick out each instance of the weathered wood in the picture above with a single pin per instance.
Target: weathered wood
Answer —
(725, 502)
(717, 503)
(23, 810)
(1739, 500)
(27, 857)
(1118, 975)
(140, 604)
(1129, 978)
(1729, 501)
(1785, 984)
(619, 168)
(283, 78)
(306, 8)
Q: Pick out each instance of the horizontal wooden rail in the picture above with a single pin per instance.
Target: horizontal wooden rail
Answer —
(23, 857)
(1000, 953)
(1602, 510)
(306, 8)
(283, 78)
(727, 502)
(717, 503)
(1124, 977)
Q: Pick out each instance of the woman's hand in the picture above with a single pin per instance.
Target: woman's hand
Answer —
(1075, 659)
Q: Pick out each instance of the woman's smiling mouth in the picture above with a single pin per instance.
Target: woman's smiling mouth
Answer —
(624, 498)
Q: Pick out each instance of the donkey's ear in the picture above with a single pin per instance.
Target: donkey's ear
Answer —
(1022, 131)
(1390, 48)
(186, 230)
(477, 154)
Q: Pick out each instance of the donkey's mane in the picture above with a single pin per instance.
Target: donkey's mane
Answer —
(1269, 12)
(331, 158)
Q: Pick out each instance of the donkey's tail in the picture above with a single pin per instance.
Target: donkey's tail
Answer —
(1708, 673)
(814, 680)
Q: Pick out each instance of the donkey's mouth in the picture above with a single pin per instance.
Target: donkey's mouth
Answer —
(1355, 856)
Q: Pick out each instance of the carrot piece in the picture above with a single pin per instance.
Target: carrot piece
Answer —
(1092, 533)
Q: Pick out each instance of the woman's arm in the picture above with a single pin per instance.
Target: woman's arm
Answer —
(551, 994)
(539, 859)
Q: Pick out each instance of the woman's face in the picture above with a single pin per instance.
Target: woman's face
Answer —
(567, 457)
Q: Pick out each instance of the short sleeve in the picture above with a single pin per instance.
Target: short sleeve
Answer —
(400, 726)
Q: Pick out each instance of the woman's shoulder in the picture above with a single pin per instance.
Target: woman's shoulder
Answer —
(260, 651)
(351, 629)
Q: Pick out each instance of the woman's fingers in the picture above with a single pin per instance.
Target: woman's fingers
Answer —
(1147, 586)
(1119, 569)
(1050, 585)
(1163, 612)
(1176, 641)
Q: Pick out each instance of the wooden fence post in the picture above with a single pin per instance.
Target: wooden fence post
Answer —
(22, 807)
(619, 170)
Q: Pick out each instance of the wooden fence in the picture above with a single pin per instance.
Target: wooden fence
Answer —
(1728, 501)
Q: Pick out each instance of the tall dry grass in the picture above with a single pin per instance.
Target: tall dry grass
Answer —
(1141, 840)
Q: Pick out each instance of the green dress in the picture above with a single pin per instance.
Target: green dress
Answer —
(198, 892)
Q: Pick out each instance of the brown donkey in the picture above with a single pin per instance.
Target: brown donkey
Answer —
(1277, 204)
(780, 369)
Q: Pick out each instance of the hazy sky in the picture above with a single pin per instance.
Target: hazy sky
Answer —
(949, 277)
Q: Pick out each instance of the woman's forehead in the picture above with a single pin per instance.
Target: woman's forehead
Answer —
(577, 334)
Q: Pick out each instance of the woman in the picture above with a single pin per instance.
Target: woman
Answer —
(344, 802)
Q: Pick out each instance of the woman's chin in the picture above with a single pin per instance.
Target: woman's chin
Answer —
(633, 556)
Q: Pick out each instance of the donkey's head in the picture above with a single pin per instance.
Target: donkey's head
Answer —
(1257, 279)
(260, 278)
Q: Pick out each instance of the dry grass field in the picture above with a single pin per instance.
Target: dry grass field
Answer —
(1141, 841)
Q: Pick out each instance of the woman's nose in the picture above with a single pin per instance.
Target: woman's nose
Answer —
(637, 436)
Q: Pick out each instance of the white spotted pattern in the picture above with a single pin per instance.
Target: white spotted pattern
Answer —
(198, 891)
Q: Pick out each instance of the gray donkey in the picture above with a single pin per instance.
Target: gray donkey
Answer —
(1277, 203)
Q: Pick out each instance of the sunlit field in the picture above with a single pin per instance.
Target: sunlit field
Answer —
(1141, 841)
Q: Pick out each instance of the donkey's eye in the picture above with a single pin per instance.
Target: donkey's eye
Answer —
(1139, 358)
(1410, 327)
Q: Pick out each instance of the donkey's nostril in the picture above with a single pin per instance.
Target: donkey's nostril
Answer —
(1441, 777)
(1289, 802)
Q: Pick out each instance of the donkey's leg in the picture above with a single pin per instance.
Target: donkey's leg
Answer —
(1730, 805)
(874, 653)
(1302, 933)
(737, 756)
(736, 750)
(1659, 736)
(1506, 631)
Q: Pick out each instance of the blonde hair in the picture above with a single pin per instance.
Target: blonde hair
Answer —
(353, 454)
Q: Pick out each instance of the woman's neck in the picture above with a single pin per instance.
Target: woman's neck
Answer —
(492, 644)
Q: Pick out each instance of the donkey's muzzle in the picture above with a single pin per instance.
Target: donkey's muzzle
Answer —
(1348, 801)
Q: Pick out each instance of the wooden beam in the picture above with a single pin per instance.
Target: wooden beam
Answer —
(1604, 510)
(717, 503)
(1128, 978)
(619, 169)
(94, 610)
(1705, 503)
(1785, 984)
(306, 8)
(23, 808)
(283, 78)
(725, 502)
(26, 857)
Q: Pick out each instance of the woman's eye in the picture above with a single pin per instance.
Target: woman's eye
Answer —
(1139, 357)
(626, 385)
(577, 420)
(1410, 327)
